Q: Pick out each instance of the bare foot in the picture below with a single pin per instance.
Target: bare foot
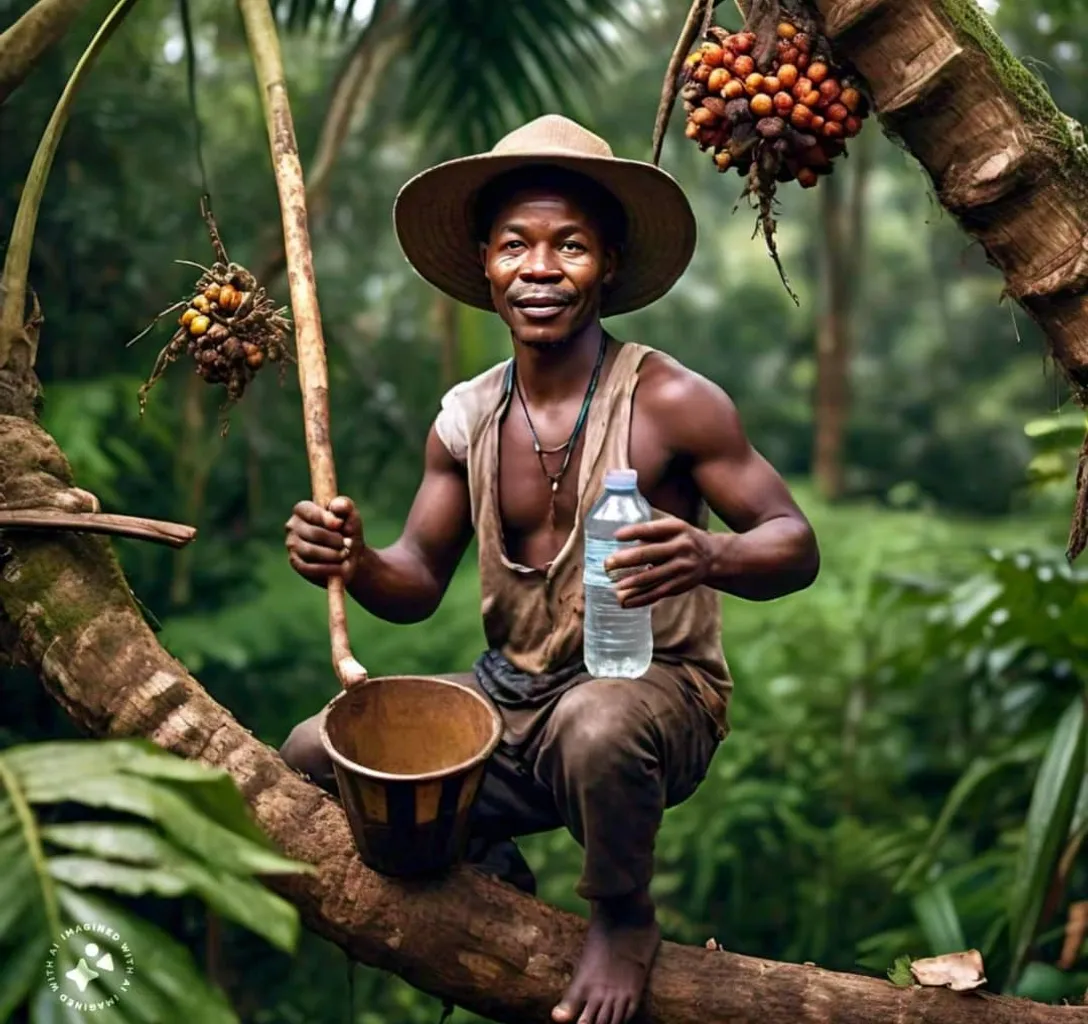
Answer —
(621, 943)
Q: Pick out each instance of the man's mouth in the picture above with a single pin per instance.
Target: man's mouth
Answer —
(540, 307)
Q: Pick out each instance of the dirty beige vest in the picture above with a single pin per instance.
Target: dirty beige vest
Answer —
(534, 617)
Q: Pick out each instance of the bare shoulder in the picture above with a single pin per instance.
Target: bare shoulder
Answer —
(689, 411)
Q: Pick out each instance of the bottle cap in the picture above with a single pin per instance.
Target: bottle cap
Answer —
(621, 479)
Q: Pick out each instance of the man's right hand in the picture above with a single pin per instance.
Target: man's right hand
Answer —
(324, 543)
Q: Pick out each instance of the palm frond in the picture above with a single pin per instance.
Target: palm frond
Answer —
(195, 837)
(478, 67)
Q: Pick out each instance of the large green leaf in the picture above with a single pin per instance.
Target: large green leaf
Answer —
(188, 827)
(49, 868)
(164, 984)
(167, 870)
(212, 790)
(476, 68)
(1050, 815)
(936, 913)
(980, 772)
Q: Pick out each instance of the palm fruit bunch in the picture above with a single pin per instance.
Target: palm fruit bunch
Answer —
(229, 327)
(786, 120)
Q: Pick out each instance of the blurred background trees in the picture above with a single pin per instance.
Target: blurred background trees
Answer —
(906, 733)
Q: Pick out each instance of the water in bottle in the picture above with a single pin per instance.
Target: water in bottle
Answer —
(618, 641)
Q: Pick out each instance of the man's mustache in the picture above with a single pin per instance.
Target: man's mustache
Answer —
(540, 296)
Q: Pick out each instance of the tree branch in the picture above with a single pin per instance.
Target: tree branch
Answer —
(23, 44)
(468, 939)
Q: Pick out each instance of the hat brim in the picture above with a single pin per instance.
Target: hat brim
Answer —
(432, 216)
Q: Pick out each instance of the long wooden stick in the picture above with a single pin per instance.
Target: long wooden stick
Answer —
(175, 535)
(264, 47)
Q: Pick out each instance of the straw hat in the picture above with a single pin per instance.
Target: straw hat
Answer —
(433, 214)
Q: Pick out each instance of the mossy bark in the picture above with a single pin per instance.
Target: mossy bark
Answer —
(1003, 159)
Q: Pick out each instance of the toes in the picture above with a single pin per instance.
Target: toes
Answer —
(592, 1013)
(606, 1014)
(567, 1010)
(625, 1010)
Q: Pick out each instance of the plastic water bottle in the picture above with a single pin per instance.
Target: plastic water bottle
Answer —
(619, 642)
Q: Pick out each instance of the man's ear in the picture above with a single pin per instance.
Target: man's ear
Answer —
(482, 252)
(611, 266)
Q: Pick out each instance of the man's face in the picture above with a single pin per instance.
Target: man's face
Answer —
(547, 263)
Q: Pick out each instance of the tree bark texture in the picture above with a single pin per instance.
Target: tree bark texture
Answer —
(1003, 159)
(67, 613)
(29, 39)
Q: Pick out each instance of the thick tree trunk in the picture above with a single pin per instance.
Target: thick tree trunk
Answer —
(832, 403)
(66, 612)
(1003, 159)
(842, 223)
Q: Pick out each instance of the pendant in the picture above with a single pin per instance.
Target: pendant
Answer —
(555, 486)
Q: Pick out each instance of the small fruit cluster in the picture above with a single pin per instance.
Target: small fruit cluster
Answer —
(208, 321)
(229, 327)
(790, 119)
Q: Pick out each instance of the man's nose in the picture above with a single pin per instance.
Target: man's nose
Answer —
(541, 263)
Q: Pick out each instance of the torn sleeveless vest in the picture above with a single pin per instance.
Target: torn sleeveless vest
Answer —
(533, 617)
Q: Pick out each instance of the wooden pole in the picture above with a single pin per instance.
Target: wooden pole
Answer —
(312, 368)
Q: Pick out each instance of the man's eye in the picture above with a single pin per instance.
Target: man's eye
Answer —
(512, 243)
(573, 246)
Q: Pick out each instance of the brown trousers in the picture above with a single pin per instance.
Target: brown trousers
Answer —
(605, 757)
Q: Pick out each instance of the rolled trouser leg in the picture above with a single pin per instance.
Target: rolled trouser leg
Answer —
(614, 754)
(304, 752)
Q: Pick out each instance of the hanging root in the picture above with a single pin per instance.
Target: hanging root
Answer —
(230, 327)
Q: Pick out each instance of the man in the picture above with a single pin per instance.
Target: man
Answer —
(552, 233)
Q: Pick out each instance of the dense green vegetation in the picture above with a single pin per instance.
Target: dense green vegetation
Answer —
(906, 734)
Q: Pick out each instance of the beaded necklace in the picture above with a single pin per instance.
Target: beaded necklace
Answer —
(568, 446)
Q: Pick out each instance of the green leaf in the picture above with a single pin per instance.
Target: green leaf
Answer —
(1050, 814)
(164, 983)
(110, 841)
(979, 772)
(940, 921)
(184, 824)
(20, 967)
(1045, 983)
(168, 871)
(899, 973)
(198, 856)
(89, 873)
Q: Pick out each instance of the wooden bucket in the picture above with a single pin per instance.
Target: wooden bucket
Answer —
(409, 754)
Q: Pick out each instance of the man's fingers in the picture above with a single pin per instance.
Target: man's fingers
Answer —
(319, 537)
(643, 554)
(341, 506)
(315, 573)
(315, 554)
(655, 529)
(643, 598)
(646, 579)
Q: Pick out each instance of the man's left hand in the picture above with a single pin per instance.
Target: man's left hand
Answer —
(673, 557)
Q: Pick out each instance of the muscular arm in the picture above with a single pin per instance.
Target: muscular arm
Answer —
(772, 550)
(405, 582)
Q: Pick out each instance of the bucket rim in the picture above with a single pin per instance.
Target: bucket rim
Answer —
(373, 773)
